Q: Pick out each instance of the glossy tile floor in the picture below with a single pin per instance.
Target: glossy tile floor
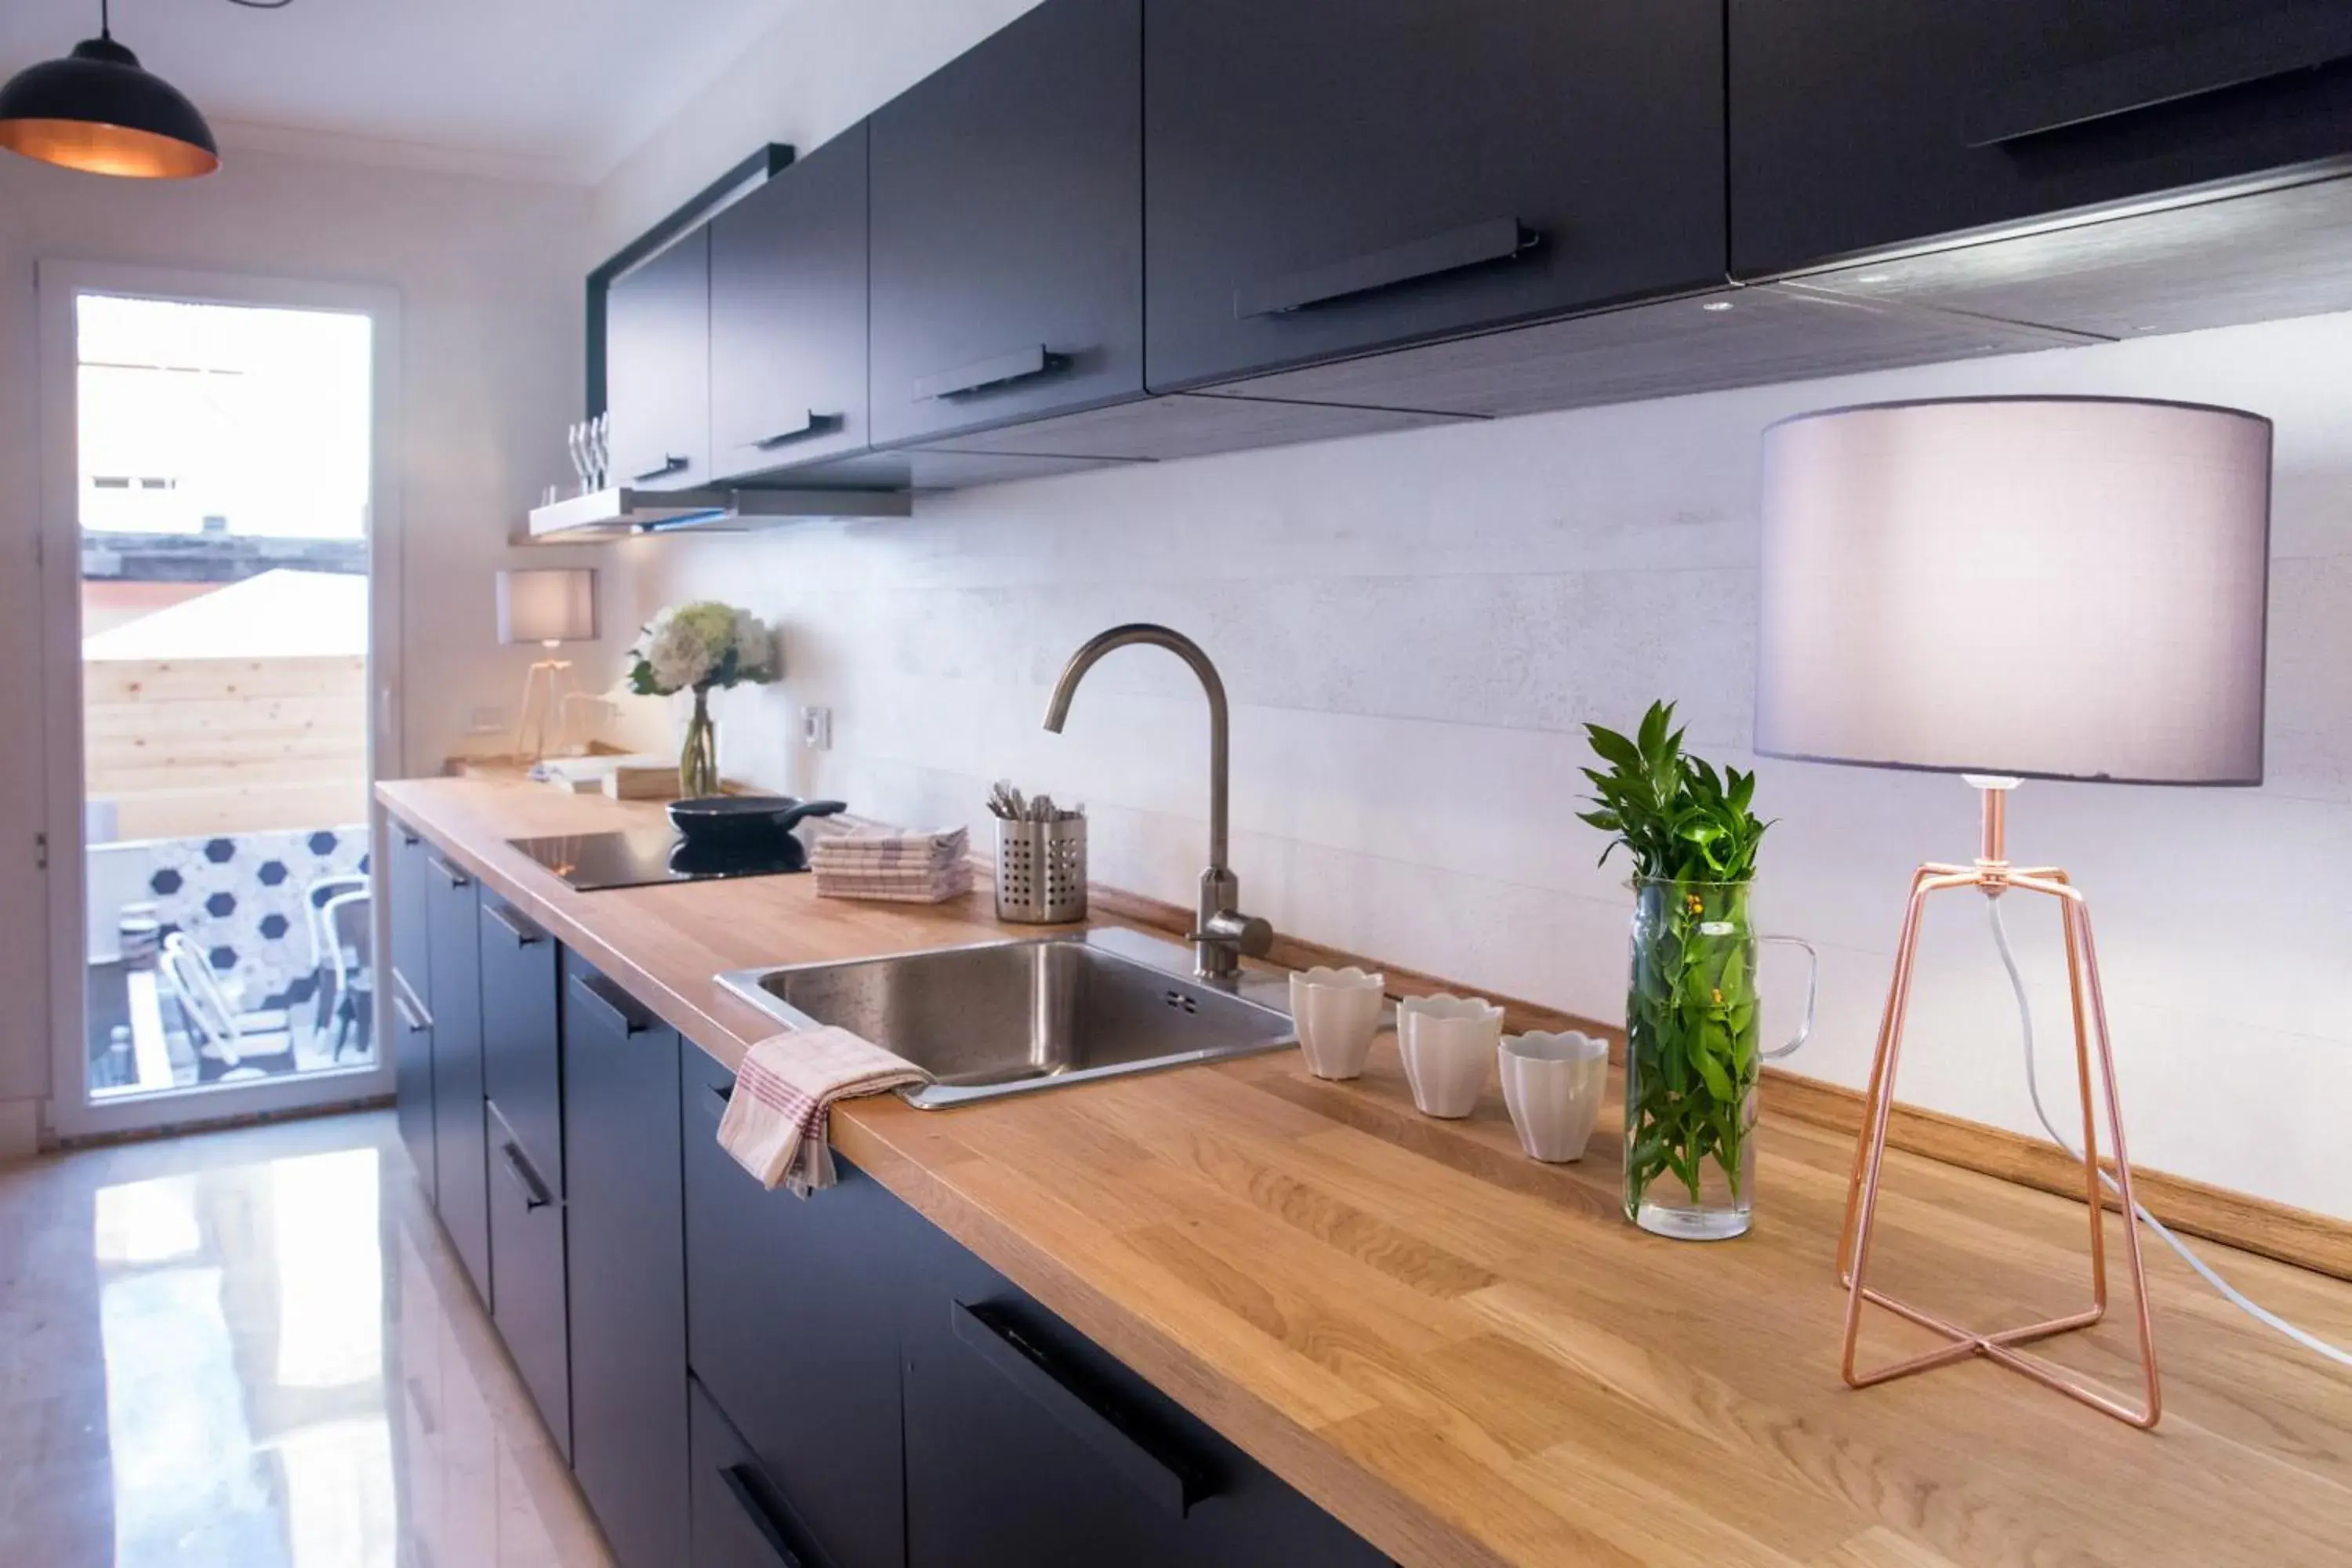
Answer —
(254, 1348)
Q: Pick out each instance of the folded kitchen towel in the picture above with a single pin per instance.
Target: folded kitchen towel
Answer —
(858, 851)
(778, 1117)
(904, 885)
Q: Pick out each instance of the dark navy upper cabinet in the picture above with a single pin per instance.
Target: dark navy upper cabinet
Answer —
(624, 1253)
(1325, 180)
(1858, 125)
(788, 316)
(657, 367)
(1008, 228)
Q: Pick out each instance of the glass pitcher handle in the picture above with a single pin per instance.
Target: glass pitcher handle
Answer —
(1812, 994)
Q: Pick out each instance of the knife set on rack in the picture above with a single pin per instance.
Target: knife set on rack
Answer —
(1041, 857)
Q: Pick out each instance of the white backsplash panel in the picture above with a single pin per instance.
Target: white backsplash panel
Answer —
(1413, 629)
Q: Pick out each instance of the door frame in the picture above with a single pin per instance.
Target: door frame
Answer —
(58, 284)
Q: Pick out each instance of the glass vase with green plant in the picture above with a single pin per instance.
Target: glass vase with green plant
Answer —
(1691, 1056)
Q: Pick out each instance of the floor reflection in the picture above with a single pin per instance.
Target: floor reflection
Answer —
(255, 1349)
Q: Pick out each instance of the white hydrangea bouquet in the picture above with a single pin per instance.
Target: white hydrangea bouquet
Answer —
(700, 647)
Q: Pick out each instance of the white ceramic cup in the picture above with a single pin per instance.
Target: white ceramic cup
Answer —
(1336, 1013)
(1553, 1085)
(1448, 1043)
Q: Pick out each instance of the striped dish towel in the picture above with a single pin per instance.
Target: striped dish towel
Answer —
(778, 1117)
(864, 851)
(904, 885)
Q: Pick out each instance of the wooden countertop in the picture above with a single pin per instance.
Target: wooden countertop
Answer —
(1471, 1357)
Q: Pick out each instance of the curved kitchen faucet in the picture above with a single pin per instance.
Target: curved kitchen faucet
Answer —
(1221, 933)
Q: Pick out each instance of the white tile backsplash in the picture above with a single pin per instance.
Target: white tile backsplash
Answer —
(1413, 629)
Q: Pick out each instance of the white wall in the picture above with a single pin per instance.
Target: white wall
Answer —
(489, 280)
(1414, 627)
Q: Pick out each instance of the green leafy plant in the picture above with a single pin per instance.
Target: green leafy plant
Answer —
(1690, 1012)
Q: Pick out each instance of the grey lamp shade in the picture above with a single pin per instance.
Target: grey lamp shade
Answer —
(547, 605)
(2040, 587)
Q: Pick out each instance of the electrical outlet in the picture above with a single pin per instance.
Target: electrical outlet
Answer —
(817, 728)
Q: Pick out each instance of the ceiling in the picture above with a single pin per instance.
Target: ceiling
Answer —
(549, 89)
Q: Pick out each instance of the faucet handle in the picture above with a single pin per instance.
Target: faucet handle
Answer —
(1245, 934)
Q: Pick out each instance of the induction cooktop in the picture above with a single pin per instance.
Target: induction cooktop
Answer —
(591, 862)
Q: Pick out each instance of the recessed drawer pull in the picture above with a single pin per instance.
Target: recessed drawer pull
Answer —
(740, 1487)
(1001, 370)
(595, 989)
(535, 1195)
(1473, 244)
(525, 933)
(1085, 1411)
(815, 424)
(413, 1018)
(2272, 42)
(666, 466)
(455, 877)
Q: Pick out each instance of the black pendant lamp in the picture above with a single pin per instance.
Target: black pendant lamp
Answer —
(100, 110)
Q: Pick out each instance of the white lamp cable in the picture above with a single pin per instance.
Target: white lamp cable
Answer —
(2025, 1018)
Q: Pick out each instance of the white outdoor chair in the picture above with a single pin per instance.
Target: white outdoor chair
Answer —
(225, 1034)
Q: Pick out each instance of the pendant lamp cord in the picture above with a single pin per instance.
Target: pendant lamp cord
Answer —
(2261, 1314)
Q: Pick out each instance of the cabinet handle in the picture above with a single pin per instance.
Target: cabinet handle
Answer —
(670, 465)
(599, 990)
(2273, 42)
(413, 1018)
(746, 1493)
(1473, 244)
(407, 837)
(1073, 1399)
(535, 1195)
(1003, 370)
(457, 878)
(525, 933)
(814, 425)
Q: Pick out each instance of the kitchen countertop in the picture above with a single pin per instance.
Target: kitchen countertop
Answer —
(1471, 1357)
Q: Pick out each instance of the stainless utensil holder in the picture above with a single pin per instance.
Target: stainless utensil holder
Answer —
(1040, 871)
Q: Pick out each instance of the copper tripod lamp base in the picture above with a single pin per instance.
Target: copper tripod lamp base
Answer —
(1993, 875)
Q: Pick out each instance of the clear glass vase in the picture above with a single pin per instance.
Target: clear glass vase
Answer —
(1693, 1059)
(697, 759)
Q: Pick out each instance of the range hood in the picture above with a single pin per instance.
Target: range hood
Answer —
(617, 512)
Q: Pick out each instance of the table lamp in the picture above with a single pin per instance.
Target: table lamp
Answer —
(550, 605)
(2011, 588)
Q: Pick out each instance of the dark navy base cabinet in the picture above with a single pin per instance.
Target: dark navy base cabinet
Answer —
(461, 1154)
(627, 1267)
(412, 1028)
(793, 1330)
(1028, 1444)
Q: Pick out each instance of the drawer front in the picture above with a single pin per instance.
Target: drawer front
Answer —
(527, 1276)
(407, 881)
(522, 1050)
(792, 1327)
(1027, 1443)
(412, 1070)
(788, 316)
(1008, 227)
(461, 1170)
(1322, 181)
(626, 1270)
(1857, 125)
(740, 1518)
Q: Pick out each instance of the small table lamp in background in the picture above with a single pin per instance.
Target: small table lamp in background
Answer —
(549, 606)
(2012, 588)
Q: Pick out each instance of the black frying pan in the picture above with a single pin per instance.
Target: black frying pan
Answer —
(722, 819)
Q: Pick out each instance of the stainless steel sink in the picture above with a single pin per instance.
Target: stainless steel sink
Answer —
(1007, 1018)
